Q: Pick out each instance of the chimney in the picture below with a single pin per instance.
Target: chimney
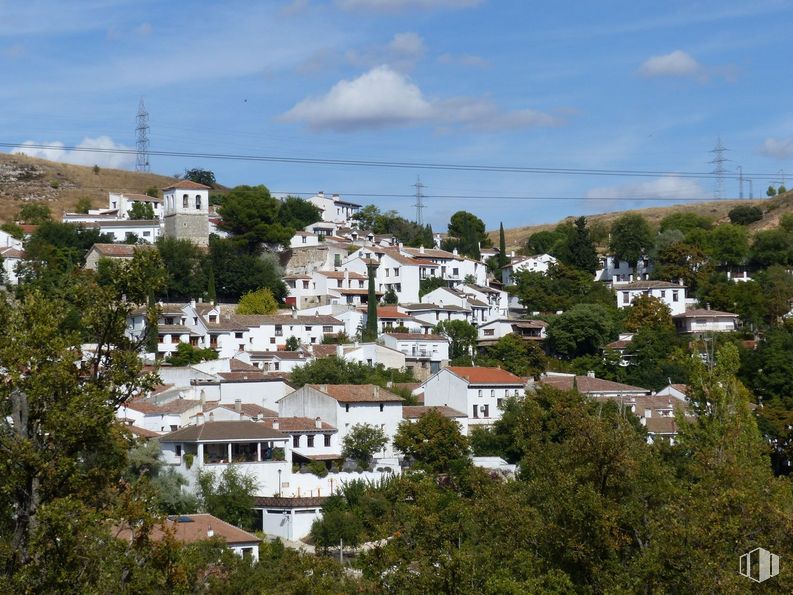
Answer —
(421, 249)
(211, 416)
(318, 423)
(376, 392)
(707, 306)
(401, 246)
(590, 374)
(294, 312)
(210, 532)
(347, 277)
(648, 413)
(339, 351)
(512, 254)
(680, 282)
(454, 251)
(238, 405)
(199, 419)
(192, 303)
(276, 424)
(323, 388)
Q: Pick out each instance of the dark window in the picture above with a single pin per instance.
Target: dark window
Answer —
(310, 440)
(347, 407)
(185, 200)
(382, 406)
(197, 201)
(327, 440)
(178, 450)
(296, 441)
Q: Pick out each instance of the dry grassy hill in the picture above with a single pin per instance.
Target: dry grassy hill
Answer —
(60, 185)
(773, 209)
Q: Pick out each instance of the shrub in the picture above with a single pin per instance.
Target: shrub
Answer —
(745, 214)
(318, 468)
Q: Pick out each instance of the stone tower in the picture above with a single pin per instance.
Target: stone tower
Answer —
(186, 212)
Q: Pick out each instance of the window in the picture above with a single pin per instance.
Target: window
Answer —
(517, 392)
(308, 329)
(146, 234)
(396, 271)
(489, 332)
(303, 238)
(663, 294)
(327, 329)
(347, 407)
(499, 402)
(485, 410)
(388, 272)
(178, 450)
(185, 200)
(279, 330)
(492, 392)
(272, 340)
(296, 441)
(327, 440)
(381, 407)
(480, 392)
(455, 272)
(310, 441)
(626, 297)
(476, 411)
(238, 335)
(197, 201)
(674, 296)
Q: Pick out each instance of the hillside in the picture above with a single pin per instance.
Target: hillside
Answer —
(61, 185)
(773, 209)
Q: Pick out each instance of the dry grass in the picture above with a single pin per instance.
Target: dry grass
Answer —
(60, 185)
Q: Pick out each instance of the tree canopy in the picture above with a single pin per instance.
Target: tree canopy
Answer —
(251, 215)
(259, 302)
(631, 238)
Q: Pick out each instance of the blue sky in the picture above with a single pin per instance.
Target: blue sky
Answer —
(607, 85)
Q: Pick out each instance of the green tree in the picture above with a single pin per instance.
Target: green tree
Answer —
(34, 213)
(238, 272)
(516, 355)
(251, 216)
(727, 244)
(334, 370)
(362, 442)
(337, 525)
(685, 222)
(559, 289)
(467, 233)
(582, 330)
(680, 261)
(186, 266)
(390, 297)
(434, 442)
(152, 191)
(631, 238)
(141, 210)
(229, 495)
(292, 343)
(461, 335)
(543, 242)
(771, 191)
(259, 302)
(649, 311)
(745, 214)
(296, 213)
(776, 285)
(13, 230)
(200, 176)
(581, 248)
(187, 355)
(431, 284)
(770, 247)
(503, 259)
(83, 205)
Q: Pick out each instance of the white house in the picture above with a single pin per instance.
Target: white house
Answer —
(168, 416)
(497, 299)
(671, 294)
(424, 354)
(413, 413)
(11, 257)
(346, 405)
(539, 263)
(493, 330)
(334, 209)
(311, 439)
(9, 241)
(591, 386)
(452, 267)
(705, 320)
(122, 230)
(122, 203)
(478, 392)
(287, 518)
(395, 271)
(433, 314)
(304, 239)
(616, 272)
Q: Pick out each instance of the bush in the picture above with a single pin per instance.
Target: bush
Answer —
(318, 468)
(745, 214)
(279, 454)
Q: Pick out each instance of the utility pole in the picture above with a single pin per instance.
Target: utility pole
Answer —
(740, 181)
(751, 188)
(142, 138)
(419, 201)
(718, 168)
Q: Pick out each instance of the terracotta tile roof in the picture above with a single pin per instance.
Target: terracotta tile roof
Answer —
(115, 250)
(141, 197)
(587, 384)
(683, 388)
(323, 351)
(141, 432)
(191, 528)
(430, 253)
(648, 285)
(621, 344)
(416, 337)
(411, 386)
(340, 274)
(170, 329)
(282, 355)
(704, 313)
(417, 411)
(187, 185)
(242, 322)
(279, 502)
(247, 409)
(299, 424)
(254, 375)
(390, 312)
(478, 375)
(223, 431)
(533, 324)
(237, 365)
(661, 425)
(357, 393)
(12, 253)
(148, 405)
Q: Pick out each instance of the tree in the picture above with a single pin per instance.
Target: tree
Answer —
(292, 343)
(297, 213)
(680, 260)
(467, 233)
(390, 297)
(34, 213)
(83, 205)
(770, 247)
(745, 214)
(335, 370)
(200, 176)
(13, 230)
(187, 355)
(362, 442)
(431, 284)
(647, 311)
(237, 272)
(336, 526)
(461, 335)
(776, 287)
(771, 191)
(250, 215)
(434, 442)
(186, 266)
(559, 289)
(781, 189)
(141, 210)
(259, 302)
(631, 239)
(582, 330)
(229, 495)
(727, 244)
(516, 355)
(581, 248)
(152, 191)
(685, 223)
(503, 259)
(543, 242)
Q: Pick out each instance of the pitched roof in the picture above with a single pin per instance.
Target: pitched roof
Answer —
(416, 337)
(247, 409)
(588, 384)
(186, 185)
(648, 285)
(141, 432)
(417, 411)
(478, 375)
(115, 250)
(298, 424)
(705, 313)
(214, 431)
(661, 425)
(357, 393)
(341, 274)
(149, 405)
(190, 528)
(283, 502)
(12, 253)
(430, 253)
(143, 197)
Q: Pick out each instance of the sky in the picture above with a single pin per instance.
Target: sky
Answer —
(613, 85)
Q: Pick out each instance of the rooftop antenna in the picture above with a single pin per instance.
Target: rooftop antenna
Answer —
(419, 201)
(718, 168)
(142, 138)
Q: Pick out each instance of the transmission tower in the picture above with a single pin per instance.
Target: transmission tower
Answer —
(142, 138)
(419, 201)
(719, 170)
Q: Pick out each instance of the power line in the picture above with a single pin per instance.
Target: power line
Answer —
(395, 164)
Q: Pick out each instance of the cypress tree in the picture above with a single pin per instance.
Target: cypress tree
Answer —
(502, 247)
(370, 334)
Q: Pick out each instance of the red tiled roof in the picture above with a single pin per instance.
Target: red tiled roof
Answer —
(187, 185)
(247, 409)
(357, 393)
(479, 375)
(704, 313)
(116, 250)
(587, 384)
(195, 527)
(417, 411)
(298, 424)
(142, 432)
(416, 337)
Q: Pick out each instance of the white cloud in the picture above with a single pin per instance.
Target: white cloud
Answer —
(779, 148)
(384, 97)
(381, 97)
(667, 187)
(407, 44)
(401, 52)
(677, 63)
(471, 60)
(396, 5)
(57, 152)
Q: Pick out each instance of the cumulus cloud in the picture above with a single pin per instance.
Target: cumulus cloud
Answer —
(385, 97)
(674, 64)
(778, 148)
(397, 5)
(667, 187)
(56, 151)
